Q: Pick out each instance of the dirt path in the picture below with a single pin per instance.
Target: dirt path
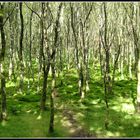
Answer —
(75, 129)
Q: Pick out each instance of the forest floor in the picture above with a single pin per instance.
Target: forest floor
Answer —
(73, 117)
(74, 127)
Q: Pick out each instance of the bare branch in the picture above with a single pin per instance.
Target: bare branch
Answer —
(33, 11)
(88, 15)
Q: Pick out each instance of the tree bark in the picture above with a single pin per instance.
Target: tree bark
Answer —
(50, 57)
(3, 114)
(138, 88)
(11, 65)
(51, 126)
(21, 47)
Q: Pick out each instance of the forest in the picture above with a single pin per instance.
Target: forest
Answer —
(69, 69)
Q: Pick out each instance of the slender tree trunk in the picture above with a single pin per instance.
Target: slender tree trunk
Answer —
(101, 58)
(79, 58)
(3, 114)
(21, 47)
(67, 42)
(86, 53)
(45, 71)
(61, 62)
(81, 81)
(45, 83)
(138, 88)
(130, 62)
(115, 65)
(16, 42)
(30, 54)
(50, 57)
(107, 67)
(3, 95)
(121, 63)
(51, 126)
(11, 65)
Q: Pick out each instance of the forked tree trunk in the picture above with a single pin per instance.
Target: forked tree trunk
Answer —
(46, 69)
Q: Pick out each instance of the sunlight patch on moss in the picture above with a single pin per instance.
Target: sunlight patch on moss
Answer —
(91, 129)
(79, 115)
(28, 111)
(113, 134)
(116, 108)
(95, 101)
(67, 123)
(10, 84)
(15, 94)
(128, 117)
(72, 130)
(35, 112)
(129, 108)
(70, 86)
(39, 117)
(3, 123)
(136, 124)
(97, 129)
(83, 106)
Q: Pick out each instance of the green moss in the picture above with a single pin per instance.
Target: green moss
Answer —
(29, 98)
(90, 113)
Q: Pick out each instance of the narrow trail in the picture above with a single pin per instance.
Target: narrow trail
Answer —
(75, 128)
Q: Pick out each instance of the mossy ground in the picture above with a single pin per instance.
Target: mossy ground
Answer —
(24, 119)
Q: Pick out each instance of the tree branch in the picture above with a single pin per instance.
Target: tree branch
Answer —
(88, 15)
(9, 16)
(33, 11)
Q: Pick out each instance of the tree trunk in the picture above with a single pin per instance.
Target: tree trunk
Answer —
(107, 66)
(130, 63)
(67, 43)
(45, 82)
(11, 65)
(30, 71)
(50, 57)
(21, 48)
(3, 115)
(138, 88)
(51, 126)
(61, 62)
(115, 65)
(3, 95)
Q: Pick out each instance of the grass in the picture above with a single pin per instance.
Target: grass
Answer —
(23, 125)
(24, 116)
